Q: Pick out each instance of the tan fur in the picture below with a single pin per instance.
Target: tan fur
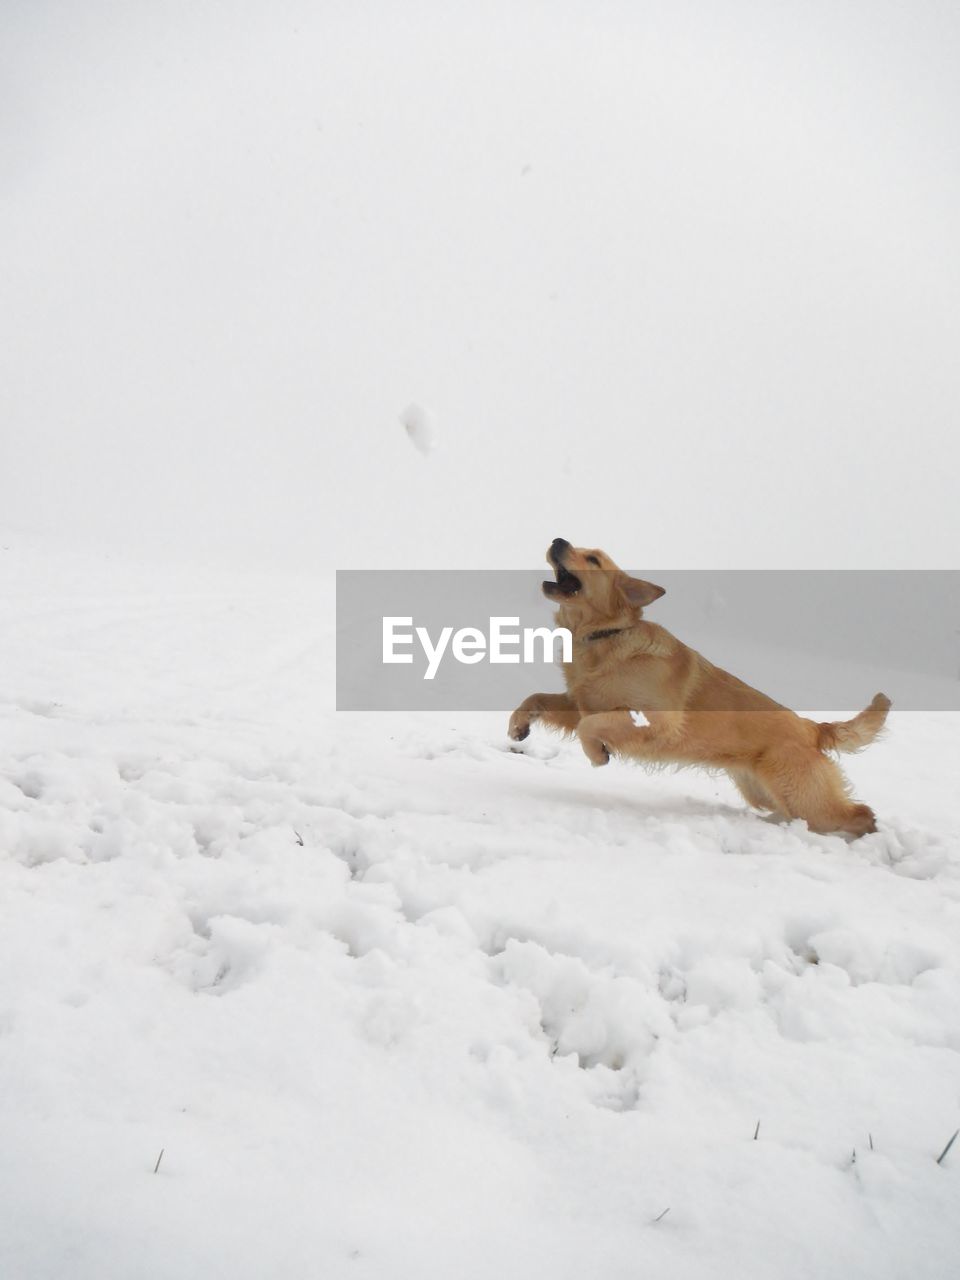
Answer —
(698, 714)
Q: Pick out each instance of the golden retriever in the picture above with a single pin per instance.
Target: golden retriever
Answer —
(697, 714)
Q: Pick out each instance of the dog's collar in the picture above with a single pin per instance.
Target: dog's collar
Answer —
(605, 635)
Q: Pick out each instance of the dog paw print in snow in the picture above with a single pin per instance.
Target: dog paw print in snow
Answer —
(419, 424)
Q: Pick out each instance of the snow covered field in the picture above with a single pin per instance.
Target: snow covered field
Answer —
(293, 995)
(394, 1000)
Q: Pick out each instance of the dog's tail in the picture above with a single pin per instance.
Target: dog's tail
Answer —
(855, 734)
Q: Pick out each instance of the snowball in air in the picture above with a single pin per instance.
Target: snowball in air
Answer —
(419, 424)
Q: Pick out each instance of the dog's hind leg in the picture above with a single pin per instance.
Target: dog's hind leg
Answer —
(804, 784)
(750, 788)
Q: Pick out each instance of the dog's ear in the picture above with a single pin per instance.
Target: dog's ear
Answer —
(639, 593)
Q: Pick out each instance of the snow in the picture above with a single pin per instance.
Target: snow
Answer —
(395, 998)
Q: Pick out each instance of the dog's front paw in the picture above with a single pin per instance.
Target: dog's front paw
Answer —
(519, 727)
(596, 752)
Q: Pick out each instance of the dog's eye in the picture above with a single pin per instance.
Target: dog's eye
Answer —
(593, 560)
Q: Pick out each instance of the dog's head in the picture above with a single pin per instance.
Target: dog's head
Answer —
(590, 589)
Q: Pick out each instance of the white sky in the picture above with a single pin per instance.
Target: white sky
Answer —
(680, 280)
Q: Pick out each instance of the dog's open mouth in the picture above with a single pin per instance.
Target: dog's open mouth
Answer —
(567, 583)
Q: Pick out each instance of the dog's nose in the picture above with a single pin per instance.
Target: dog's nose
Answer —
(557, 547)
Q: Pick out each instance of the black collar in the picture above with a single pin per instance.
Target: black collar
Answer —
(605, 635)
